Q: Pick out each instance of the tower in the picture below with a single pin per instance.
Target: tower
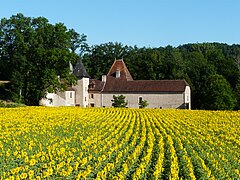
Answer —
(82, 84)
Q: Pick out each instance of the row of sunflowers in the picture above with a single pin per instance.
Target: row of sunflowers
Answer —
(111, 143)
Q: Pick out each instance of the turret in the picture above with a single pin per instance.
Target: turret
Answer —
(82, 84)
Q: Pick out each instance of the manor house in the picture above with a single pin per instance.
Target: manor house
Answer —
(118, 81)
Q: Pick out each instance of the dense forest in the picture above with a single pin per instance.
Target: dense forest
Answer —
(211, 69)
(34, 53)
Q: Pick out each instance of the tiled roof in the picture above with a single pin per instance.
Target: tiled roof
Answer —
(118, 85)
(125, 82)
(95, 85)
(119, 65)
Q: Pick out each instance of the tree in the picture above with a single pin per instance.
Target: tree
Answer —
(198, 70)
(219, 94)
(237, 95)
(78, 42)
(195, 63)
(143, 104)
(119, 101)
(35, 53)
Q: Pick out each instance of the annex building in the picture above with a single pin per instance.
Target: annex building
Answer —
(99, 93)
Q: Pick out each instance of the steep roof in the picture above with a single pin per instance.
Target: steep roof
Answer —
(95, 85)
(124, 83)
(119, 65)
(79, 70)
(118, 85)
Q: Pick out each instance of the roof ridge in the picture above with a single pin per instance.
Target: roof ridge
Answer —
(160, 80)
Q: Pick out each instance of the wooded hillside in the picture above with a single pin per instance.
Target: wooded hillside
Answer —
(34, 53)
(211, 69)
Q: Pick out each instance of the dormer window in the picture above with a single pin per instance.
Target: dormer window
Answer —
(92, 85)
(118, 74)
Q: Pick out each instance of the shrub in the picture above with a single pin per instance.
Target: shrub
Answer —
(143, 104)
(119, 101)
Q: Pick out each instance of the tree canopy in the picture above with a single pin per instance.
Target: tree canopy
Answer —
(35, 56)
(34, 53)
(195, 63)
(219, 94)
(119, 101)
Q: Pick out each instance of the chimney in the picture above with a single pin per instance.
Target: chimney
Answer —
(104, 78)
(118, 74)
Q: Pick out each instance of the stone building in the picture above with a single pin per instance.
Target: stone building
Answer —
(95, 93)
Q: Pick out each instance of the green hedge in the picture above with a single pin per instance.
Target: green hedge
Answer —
(10, 104)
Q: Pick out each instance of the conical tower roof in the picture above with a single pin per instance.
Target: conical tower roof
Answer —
(79, 70)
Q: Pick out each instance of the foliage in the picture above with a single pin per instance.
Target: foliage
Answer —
(219, 94)
(2, 103)
(78, 42)
(237, 94)
(30, 45)
(10, 104)
(119, 101)
(100, 57)
(33, 54)
(117, 143)
(143, 104)
(4, 92)
(195, 63)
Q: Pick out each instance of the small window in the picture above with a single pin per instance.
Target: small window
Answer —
(92, 86)
(70, 94)
(50, 101)
(92, 96)
(140, 99)
(85, 98)
(92, 104)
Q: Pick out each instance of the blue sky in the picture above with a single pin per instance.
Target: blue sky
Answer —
(149, 23)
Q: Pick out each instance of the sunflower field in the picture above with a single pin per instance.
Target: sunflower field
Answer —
(111, 143)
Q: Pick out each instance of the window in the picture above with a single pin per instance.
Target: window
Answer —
(70, 94)
(92, 104)
(85, 98)
(92, 96)
(140, 99)
(50, 101)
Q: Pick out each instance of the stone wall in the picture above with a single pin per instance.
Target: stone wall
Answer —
(155, 100)
(82, 92)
